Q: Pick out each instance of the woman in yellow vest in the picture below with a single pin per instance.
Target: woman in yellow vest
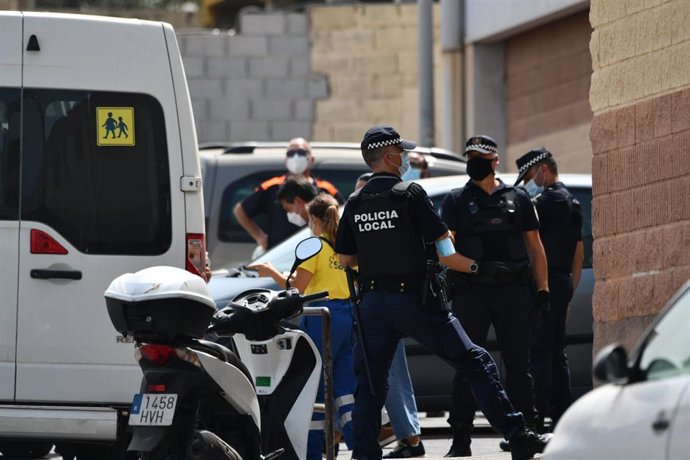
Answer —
(324, 273)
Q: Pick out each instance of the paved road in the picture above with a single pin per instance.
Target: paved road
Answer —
(437, 439)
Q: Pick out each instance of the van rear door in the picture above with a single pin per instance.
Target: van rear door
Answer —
(101, 169)
(10, 116)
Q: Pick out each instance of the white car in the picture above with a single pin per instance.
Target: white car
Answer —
(644, 410)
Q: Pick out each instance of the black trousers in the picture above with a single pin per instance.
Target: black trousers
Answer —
(507, 307)
(548, 362)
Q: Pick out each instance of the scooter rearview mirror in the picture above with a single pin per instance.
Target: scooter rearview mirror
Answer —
(308, 248)
(305, 250)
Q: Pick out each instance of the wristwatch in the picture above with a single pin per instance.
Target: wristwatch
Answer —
(474, 268)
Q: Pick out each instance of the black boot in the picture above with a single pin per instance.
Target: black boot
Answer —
(461, 442)
(526, 443)
(537, 426)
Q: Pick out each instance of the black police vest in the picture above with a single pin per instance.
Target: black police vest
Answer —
(388, 242)
(480, 215)
(560, 238)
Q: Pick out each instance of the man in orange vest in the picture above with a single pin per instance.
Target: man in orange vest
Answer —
(281, 224)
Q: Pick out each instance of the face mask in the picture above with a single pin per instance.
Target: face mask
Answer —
(478, 168)
(404, 163)
(412, 174)
(297, 164)
(296, 219)
(532, 188)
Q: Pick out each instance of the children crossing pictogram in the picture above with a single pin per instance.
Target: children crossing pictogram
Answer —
(115, 126)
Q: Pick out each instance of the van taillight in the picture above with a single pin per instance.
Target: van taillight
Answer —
(157, 354)
(42, 243)
(196, 254)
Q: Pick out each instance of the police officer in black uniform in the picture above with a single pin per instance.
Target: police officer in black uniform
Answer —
(560, 221)
(496, 225)
(385, 229)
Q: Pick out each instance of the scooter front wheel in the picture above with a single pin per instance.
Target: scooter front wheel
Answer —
(206, 445)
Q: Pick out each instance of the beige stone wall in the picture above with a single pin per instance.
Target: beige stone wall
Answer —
(369, 56)
(640, 49)
(548, 70)
(640, 138)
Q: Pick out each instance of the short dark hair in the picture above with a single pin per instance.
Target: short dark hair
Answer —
(296, 187)
(372, 156)
(550, 163)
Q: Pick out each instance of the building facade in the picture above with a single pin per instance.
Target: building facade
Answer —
(640, 136)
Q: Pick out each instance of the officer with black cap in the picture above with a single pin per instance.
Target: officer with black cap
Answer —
(560, 221)
(496, 225)
(386, 228)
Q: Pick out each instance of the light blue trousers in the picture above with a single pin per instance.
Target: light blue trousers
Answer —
(400, 402)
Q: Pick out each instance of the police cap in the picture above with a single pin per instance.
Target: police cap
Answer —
(530, 159)
(382, 136)
(482, 144)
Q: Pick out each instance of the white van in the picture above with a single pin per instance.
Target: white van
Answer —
(99, 176)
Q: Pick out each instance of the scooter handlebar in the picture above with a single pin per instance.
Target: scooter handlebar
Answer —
(291, 304)
(227, 324)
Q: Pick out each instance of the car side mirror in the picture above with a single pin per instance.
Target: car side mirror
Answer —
(305, 250)
(611, 364)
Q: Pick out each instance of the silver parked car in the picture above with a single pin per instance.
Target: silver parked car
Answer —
(431, 376)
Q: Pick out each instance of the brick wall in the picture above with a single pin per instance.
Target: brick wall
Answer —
(255, 85)
(640, 136)
(369, 55)
(548, 72)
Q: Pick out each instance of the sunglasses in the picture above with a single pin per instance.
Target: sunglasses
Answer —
(300, 152)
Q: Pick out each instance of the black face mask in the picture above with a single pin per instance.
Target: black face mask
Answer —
(478, 168)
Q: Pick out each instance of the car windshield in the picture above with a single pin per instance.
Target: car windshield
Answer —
(666, 352)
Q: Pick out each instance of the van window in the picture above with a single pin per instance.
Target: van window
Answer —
(343, 179)
(228, 227)
(9, 153)
(102, 199)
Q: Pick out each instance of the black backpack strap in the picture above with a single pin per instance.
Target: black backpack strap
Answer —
(403, 188)
(327, 242)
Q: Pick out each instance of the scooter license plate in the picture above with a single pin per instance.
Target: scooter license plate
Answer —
(153, 409)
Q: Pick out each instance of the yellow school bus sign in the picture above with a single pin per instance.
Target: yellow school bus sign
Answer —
(115, 126)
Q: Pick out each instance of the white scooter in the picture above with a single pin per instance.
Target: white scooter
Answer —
(201, 401)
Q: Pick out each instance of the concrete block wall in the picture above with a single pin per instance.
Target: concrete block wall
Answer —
(256, 84)
(548, 70)
(369, 56)
(640, 137)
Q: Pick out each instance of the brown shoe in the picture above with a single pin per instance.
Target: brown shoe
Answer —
(386, 435)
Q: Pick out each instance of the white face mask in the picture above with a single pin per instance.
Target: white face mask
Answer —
(297, 164)
(296, 219)
(404, 163)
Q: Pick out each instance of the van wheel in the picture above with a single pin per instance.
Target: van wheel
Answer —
(13, 449)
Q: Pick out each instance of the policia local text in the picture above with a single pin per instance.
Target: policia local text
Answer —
(380, 220)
